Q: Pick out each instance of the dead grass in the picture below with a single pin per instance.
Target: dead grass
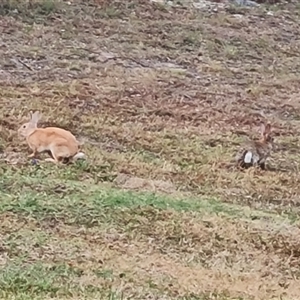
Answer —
(164, 95)
(115, 245)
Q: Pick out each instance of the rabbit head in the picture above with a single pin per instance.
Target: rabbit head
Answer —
(27, 128)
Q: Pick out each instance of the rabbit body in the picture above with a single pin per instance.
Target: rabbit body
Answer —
(255, 153)
(59, 143)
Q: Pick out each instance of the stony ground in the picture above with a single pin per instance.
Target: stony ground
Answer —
(162, 96)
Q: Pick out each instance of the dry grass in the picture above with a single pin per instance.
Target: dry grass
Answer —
(162, 96)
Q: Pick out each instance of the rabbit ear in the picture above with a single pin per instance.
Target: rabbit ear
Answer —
(268, 128)
(265, 129)
(35, 117)
(262, 129)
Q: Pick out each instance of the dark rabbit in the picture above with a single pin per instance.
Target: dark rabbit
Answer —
(255, 153)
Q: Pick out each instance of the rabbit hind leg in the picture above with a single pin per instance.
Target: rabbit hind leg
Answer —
(60, 153)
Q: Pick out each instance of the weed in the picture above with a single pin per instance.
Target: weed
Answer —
(28, 8)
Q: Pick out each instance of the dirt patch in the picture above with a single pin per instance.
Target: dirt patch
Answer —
(140, 184)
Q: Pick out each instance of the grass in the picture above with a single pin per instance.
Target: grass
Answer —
(68, 239)
(162, 96)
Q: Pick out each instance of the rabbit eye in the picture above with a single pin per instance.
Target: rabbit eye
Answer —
(24, 126)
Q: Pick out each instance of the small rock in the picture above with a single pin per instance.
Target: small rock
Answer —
(158, 1)
(246, 3)
(34, 161)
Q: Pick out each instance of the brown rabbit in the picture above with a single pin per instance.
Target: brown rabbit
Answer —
(59, 143)
(255, 153)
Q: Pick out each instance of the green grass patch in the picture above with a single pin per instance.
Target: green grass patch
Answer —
(42, 192)
(29, 8)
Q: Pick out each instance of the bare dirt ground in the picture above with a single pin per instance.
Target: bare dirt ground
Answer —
(162, 95)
